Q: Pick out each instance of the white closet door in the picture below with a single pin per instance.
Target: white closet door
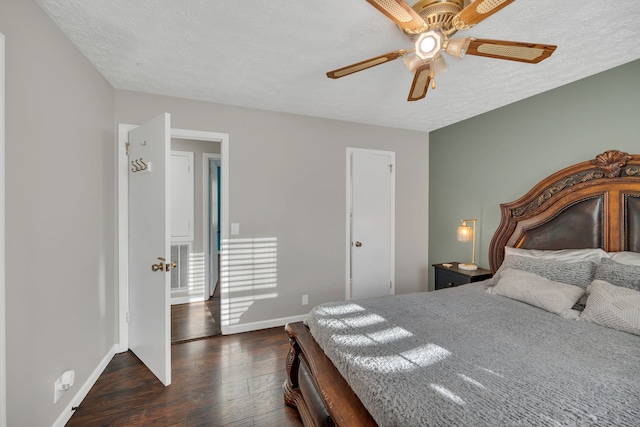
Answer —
(372, 223)
(182, 205)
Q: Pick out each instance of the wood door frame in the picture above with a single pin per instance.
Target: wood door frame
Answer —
(123, 218)
(392, 256)
(3, 342)
(206, 225)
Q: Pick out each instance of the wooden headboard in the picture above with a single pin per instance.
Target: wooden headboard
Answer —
(593, 204)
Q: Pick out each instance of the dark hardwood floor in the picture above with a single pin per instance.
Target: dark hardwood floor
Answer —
(233, 380)
(195, 320)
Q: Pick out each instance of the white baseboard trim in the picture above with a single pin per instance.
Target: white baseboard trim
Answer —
(67, 412)
(187, 299)
(119, 348)
(254, 326)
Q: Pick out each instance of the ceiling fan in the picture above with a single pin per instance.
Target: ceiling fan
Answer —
(429, 24)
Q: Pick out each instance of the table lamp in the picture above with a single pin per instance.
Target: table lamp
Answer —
(468, 234)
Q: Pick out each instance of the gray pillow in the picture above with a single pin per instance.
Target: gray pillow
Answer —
(625, 275)
(574, 273)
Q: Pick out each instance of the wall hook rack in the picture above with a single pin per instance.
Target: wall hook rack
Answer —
(139, 165)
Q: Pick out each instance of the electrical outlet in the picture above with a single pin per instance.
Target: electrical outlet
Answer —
(63, 384)
(305, 299)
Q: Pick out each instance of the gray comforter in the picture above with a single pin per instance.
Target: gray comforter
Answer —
(461, 357)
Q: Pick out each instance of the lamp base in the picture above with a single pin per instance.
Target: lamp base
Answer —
(467, 267)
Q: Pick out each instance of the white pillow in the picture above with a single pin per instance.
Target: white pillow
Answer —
(538, 291)
(564, 255)
(613, 306)
(625, 257)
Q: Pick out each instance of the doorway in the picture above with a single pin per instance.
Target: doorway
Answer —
(195, 213)
(123, 212)
(370, 222)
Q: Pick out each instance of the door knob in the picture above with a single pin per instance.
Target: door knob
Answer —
(161, 265)
(358, 244)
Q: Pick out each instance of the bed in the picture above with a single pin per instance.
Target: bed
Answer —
(552, 339)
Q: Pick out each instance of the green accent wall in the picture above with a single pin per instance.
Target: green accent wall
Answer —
(477, 164)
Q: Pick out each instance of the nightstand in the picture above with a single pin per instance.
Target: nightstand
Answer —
(448, 277)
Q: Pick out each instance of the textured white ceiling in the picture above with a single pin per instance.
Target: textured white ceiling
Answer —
(273, 54)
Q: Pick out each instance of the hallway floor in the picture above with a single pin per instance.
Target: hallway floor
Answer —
(195, 320)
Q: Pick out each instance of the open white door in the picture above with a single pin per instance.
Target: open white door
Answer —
(149, 244)
(372, 223)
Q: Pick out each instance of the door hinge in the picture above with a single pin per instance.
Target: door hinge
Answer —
(390, 168)
(126, 144)
(390, 284)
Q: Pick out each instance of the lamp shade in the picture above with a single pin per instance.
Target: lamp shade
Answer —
(465, 233)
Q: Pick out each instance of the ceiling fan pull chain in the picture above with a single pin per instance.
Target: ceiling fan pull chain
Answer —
(433, 80)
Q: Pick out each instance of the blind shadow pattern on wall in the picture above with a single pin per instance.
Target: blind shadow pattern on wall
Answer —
(249, 268)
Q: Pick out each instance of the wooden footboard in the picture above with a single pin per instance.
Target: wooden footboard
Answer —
(315, 387)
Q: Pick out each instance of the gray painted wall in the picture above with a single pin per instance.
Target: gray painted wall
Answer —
(287, 180)
(60, 214)
(496, 157)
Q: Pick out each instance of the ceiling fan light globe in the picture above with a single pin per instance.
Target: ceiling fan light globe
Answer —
(412, 62)
(457, 47)
(438, 65)
(429, 44)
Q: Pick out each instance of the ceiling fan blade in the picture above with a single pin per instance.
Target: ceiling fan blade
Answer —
(478, 11)
(420, 85)
(400, 13)
(354, 68)
(514, 51)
